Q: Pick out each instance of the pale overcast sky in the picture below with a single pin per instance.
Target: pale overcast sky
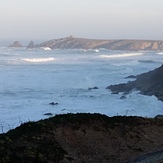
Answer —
(105, 19)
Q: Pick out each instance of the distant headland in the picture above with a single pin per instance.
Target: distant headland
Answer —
(83, 43)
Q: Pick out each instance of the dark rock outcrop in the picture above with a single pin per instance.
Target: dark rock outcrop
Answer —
(159, 117)
(115, 93)
(82, 43)
(123, 97)
(16, 44)
(92, 88)
(53, 103)
(150, 83)
(48, 114)
(131, 76)
(31, 45)
(82, 138)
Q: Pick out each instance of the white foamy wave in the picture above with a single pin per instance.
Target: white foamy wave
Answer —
(90, 50)
(121, 55)
(161, 53)
(46, 48)
(36, 60)
(96, 50)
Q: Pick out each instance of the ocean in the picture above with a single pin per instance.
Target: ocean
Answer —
(31, 79)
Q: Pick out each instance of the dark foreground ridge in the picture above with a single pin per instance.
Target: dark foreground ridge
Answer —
(88, 138)
(150, 83)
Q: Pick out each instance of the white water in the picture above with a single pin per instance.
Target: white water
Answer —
(31, 79)
(35, 60)
(121, 55)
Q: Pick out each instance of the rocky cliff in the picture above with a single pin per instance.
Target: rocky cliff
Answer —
(78, 138)
(82, 43)
(150, 83)
(129, 45)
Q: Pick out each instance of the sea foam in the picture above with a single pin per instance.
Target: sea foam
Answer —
(121, 55)
(36, 60)
(161, 53)
(31, 79)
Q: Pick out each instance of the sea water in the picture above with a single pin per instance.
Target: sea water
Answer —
(31, 79)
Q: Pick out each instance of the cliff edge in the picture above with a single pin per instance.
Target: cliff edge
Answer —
(82, 43)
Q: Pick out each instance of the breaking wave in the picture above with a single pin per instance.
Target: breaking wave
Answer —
(161, 53)
(121, 55)
(36, 60)
(46, 48)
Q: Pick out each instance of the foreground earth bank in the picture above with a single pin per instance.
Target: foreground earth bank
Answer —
(83, 137)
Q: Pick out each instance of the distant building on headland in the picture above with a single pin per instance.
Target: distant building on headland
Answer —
(71, 36)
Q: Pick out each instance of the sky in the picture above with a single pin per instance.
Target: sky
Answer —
(101, 19)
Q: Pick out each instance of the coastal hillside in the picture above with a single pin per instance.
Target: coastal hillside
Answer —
(149, 83)
(129, 45)
(88, 138)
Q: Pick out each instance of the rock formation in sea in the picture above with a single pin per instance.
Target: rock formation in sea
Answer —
(16, 44)
(31, 45)
(150, 83)
(82, 137)
(82, 43)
